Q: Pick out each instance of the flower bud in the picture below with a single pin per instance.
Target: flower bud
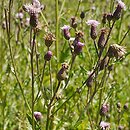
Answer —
(82, 15)
(48, 56)
(109, 17)
(62, 75)
(104, 109)
(101, 40)
(38, 116)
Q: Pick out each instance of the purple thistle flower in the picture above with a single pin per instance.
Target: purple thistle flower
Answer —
(78, 47)
(104, 109)
(66, 32)
(117, 12)
(104, 125)
(37, 115)
(93, 24)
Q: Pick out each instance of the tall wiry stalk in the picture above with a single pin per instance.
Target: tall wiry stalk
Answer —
(8, 29)
(32, 75)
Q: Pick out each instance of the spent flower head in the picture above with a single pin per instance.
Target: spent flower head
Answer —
(116, 51)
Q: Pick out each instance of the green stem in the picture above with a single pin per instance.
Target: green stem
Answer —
(57, 32)
(8, 28)
(32, 73)
(50, 105)
(70, 71)
(77, 8)
(124, 36)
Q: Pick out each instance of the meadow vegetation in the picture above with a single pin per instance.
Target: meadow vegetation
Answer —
(64, 65)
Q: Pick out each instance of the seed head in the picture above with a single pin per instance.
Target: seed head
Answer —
(104, 125)
(48, 56)
(116, 51)
(79, 34)
(73, 23)
(49, 38)
(66, 32)
(38, 116)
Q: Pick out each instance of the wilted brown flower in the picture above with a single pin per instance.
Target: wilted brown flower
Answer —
(49, 38)
(116, 51)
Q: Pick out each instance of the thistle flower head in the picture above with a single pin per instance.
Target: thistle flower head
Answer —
(78, 48)
(92, 23)
(116, 51)
(121, 4)
(37, 115)
(35, 7)
(66, 32)
(104, 125)
(104, 109)
(65, 27)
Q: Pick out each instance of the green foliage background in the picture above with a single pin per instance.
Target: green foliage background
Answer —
(12, 106)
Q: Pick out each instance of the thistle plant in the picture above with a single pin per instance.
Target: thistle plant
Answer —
(67, 61)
